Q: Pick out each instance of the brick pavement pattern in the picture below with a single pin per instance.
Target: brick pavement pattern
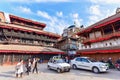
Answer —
(8, 73)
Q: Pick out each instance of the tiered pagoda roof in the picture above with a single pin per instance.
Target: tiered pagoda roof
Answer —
(28, 21)
(102, 23)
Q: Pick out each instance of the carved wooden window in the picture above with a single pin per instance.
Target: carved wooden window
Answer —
(110, 43)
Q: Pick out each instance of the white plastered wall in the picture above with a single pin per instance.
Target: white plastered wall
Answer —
(107, 43)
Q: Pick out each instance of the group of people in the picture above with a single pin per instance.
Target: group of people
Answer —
(30, 65)
(110, 62)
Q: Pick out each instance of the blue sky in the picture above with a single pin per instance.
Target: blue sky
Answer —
(59, 14)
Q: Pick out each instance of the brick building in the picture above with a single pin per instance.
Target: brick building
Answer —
(24, 38)
(102, 39)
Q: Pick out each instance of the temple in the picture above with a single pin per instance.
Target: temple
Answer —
(102, 39)
(24, 38)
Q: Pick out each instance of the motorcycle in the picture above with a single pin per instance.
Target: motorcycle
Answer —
(117, 66)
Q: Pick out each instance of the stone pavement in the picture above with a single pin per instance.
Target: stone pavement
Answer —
(8, 73)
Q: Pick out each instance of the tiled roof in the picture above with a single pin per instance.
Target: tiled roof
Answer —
(28, 20)
(101, 23)
(26, 48)
(105, 20)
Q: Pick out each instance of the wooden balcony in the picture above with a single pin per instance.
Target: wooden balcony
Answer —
(26, 43)
(104, 37)
(6, 32)
(27, 35)
(26, 25)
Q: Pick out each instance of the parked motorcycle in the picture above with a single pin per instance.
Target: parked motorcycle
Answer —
(117, 66)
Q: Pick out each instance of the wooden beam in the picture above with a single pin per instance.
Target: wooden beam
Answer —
(102, 31)
(4, 56)
(113, 27)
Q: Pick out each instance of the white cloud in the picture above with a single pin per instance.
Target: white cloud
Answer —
(57, 26)
(59, 14)
(36, 1)
(105, 1)
(101, 9)
(54, 23)
(97, 13)
(75, 16)
(51, 0)
(92, 19)
(76, 19)
(23, 9)
(95, 10)
(43, 14)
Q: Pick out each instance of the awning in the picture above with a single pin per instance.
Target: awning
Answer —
(25, 49)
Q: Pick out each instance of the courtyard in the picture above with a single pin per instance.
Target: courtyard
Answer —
(8, 73)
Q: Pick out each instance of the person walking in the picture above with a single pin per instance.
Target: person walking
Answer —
(118, 61)
(110, 63)
(19, 69)
(35, 65)
(28, 66)
(66, 59)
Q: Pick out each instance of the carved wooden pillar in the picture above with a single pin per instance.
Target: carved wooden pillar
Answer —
(4, 56)
(113, 28)
(13, 60)
(1, 59)
(102, 31)
(11, 37)
(87, 36)
(94, 35)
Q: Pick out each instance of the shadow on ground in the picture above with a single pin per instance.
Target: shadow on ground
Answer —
(8, 74)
